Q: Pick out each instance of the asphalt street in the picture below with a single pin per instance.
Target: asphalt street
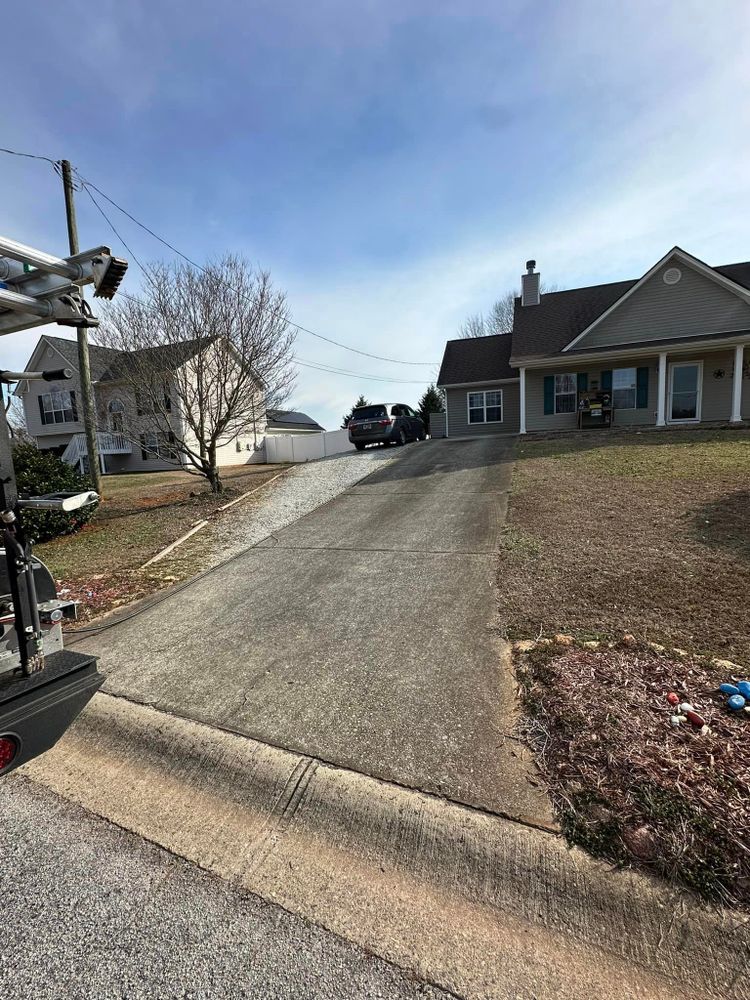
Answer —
(363, 635)
(90, 911)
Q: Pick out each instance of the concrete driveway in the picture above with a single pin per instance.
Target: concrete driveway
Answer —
(364, 635)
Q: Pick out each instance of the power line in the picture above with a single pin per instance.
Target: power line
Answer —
(29, 156)
(88, 184)
(114, 230)
(362, 375)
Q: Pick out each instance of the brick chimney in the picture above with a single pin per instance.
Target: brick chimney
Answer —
(530, 285)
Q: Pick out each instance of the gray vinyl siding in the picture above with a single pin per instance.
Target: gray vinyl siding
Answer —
(31, 408)
(716, 391)
(695, 305)
(458, 412)
(437, 425)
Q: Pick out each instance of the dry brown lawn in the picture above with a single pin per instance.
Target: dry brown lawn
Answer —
(646, 533)
(140, 514)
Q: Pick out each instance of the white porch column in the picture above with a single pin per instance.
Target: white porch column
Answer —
(739, 357)
(661, 399)
(522, 400)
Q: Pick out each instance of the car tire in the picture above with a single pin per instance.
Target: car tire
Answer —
(359, 446)
(401, 439)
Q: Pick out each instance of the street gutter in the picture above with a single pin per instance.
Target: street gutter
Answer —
(475, 903)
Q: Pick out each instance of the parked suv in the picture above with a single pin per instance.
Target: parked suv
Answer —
(380, 423)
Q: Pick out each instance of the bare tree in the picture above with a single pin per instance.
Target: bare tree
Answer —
(500, 317)
(473, 326)
(204, 354)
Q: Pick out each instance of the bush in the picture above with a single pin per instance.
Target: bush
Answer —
(39, 472)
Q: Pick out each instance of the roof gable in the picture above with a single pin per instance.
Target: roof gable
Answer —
(702, 299)
(477, 359)
(557, 323)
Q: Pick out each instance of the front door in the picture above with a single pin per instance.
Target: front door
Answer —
(685, 381)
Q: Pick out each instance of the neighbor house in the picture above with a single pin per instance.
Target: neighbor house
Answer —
(128, 438)
(666, 349)
(291, 422)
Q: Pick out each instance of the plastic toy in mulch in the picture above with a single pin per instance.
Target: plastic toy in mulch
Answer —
(685, 713)
(739, 696)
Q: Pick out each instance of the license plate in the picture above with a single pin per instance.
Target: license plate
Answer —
(366, 427)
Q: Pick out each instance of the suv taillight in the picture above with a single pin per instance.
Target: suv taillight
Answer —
(8, 751)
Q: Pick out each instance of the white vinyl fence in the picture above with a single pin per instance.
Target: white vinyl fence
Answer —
(306, 447)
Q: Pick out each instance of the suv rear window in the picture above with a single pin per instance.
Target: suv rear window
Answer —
(369, 412)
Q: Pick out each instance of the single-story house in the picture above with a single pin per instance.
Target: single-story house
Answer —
(291, 422)
(666, 349)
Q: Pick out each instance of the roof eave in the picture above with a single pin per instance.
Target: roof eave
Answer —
(687, 258)
(644, 349)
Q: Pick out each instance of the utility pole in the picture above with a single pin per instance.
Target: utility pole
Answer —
(84, 366)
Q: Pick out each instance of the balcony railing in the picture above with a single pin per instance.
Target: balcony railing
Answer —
(107, 442)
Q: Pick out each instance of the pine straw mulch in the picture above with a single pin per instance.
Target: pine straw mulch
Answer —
(627, 786)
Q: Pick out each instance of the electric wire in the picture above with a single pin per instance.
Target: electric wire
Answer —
(88, 184)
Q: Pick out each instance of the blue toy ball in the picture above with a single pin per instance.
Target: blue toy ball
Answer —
(729, 689)
(744, 688)
(736, 702)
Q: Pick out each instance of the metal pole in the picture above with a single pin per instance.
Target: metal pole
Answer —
(84, 367)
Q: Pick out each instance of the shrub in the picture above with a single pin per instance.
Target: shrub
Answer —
(39, 472)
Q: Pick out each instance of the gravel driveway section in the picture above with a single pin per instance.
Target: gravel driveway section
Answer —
(299, 492)
(93, 912)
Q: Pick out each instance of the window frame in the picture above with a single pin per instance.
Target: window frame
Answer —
(484, 407)
(163, 450)
(48, 415)
(568, 392)
(633, 388)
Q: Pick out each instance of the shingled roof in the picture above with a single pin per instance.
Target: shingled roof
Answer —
(100, 358)
(561, 316)
(477, 359)
(165, 358)
(291, 420)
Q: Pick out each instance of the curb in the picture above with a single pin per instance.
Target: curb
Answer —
(459, 896)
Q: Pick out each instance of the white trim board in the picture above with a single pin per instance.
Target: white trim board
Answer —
(697, 265)
(648, 349)
(699, 392)
(485, 381)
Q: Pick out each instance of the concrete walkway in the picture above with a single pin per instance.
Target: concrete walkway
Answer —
(362, 635)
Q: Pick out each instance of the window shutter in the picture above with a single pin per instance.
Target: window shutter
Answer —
(42, 414)
(73, 406)
(607, 381)
(641, 394)
(549, 394)
(144, 454)
(583, 381)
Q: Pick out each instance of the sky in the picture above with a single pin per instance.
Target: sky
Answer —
(392, 164)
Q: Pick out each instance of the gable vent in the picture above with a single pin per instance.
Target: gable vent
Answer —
(672, 275)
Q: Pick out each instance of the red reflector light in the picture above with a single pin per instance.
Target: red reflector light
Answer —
(8, 750)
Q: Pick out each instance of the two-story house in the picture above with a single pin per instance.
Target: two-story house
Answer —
(665, 349)
(129, 437)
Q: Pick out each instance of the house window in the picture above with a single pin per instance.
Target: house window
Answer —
(116, 412)
(58, 407)
(145, 402)
(485, 407)
(158, 445)
(565, 393)
(624, 385)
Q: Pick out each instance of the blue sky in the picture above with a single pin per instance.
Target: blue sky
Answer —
(392, 164)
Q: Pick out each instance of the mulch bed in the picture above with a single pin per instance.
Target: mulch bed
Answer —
(627, 785)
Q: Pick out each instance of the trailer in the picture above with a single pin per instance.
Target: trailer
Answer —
(43, 686)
